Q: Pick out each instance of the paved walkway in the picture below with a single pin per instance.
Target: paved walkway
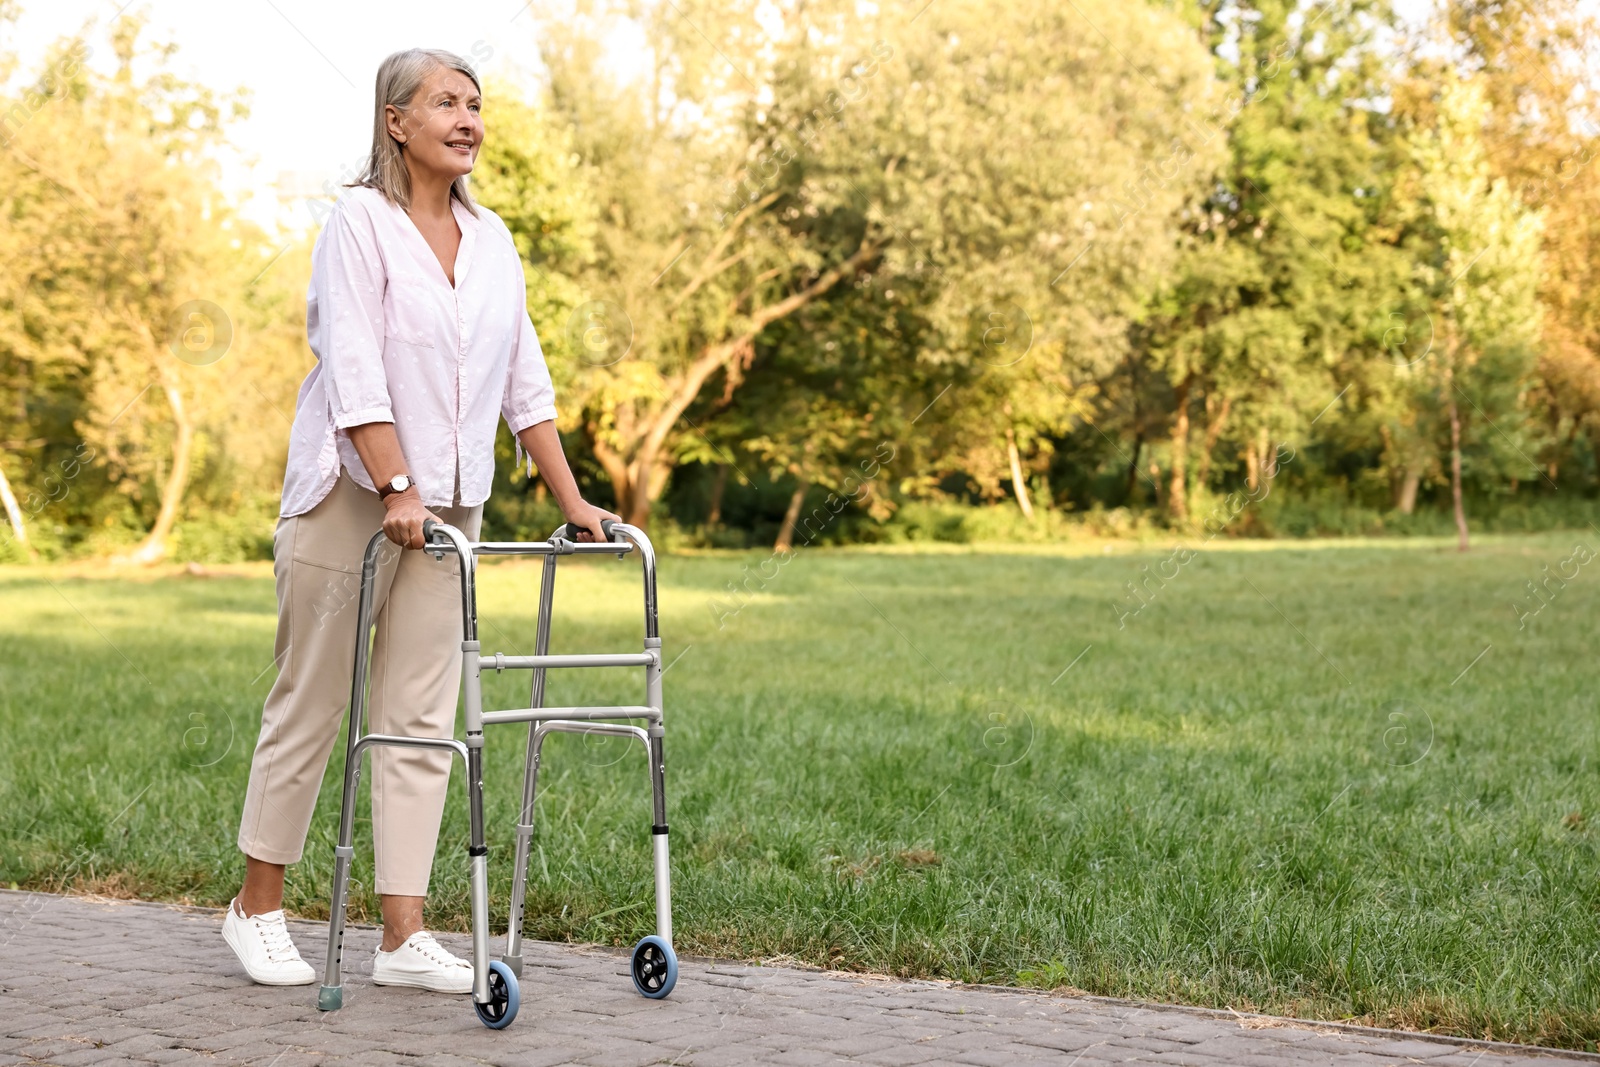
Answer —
(86, 982)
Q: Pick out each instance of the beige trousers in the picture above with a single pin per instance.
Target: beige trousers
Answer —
(416, 676)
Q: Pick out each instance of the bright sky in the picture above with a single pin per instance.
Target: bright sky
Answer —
(309, 67)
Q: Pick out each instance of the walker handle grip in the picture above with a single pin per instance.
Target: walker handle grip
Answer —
(571, 530)
(428, 526)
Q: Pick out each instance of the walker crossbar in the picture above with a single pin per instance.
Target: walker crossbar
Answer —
(538, 714)
(613, 659)
(556, 546)
(494, 987)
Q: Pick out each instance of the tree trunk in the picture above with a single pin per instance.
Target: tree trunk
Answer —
(1406, 498)
(1388, 454)
(1266, 459)
(638, 504)
(791, 517)
(1455, 468)
(630, 480)
(154, 545)
(638, 472)
(1593, 432)
(1252, 467)
(1268, 456)
(648, 483)
(1019, 486)
(13, 512)
(1556, 450)
(1133, 468)
(1213, 431)
(719, 484)
(617, 472)
(1178, 492)
(1566, 450)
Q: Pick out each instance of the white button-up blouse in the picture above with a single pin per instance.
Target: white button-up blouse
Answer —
(396, 343)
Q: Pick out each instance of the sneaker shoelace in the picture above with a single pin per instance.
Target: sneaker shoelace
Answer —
(425, 945)
(274, 934)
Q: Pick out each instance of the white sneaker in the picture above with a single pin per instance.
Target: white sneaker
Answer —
(263, 945)
(422, 963)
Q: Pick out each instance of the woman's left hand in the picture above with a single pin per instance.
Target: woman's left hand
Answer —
(588, 516)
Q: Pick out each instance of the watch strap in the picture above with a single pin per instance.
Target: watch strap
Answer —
(387, 489)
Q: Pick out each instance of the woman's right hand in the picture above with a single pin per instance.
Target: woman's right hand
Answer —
(405, 514)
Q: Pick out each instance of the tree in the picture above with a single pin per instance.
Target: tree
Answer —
(1475, 250)
(972, 145)
(1281, 259)
(823, 404)
(1533, 62)
(529, 174)
(139, 282)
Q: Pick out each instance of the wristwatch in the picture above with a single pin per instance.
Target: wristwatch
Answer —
(398, 484)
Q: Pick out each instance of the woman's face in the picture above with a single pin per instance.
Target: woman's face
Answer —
(441, 128)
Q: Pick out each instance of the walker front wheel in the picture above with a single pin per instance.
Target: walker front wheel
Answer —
(504, 998)
(655, 967)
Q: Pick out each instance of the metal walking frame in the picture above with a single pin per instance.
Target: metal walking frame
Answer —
(495, 992)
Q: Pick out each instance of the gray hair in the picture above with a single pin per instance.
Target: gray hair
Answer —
(399, 78)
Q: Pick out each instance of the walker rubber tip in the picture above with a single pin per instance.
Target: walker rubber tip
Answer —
(514, 962)
(330, 998)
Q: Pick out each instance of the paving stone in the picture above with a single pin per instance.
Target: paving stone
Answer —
(1063, 1040)
(807, 1058)
(1151, 1043)
(537, 1056)
(286, 1058)
(79, 1055)
(88, 982)
(47, 1050)
(1005, 1054)
(174, 1055)
(41, 1028)
(1461, 1058)
(621, 1052)
(728, 1055)
(901, 1055)
(857, 1044)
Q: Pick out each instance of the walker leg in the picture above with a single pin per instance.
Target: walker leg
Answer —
(658, 836)
(331, 996)
(530, 777)
(658, 767)
(654, 966)
(519, 871)
(478, 854)
(477, 848)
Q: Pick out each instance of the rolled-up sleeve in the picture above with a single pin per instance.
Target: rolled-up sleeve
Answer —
(347, 284)
(530, 398)
(530, 395)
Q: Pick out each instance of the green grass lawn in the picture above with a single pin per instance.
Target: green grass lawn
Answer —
(1291, 783)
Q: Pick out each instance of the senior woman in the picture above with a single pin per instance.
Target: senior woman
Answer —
(417, 315)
